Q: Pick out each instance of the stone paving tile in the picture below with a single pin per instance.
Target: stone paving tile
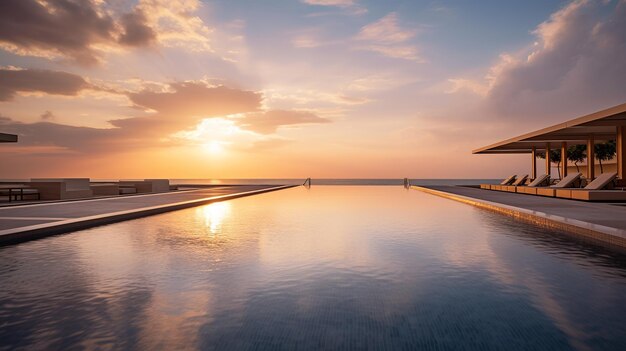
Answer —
(596, 213)
(91, 207)
(13, 223)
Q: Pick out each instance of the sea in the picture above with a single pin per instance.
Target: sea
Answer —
(335, 181)
(314, 181)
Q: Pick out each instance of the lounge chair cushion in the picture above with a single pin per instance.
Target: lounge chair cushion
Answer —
(541, 180)
(520, 180)
(568, 181)
(508, 180)
(601, 181)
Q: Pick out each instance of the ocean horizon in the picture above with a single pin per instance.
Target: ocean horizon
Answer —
(336, 181)
(315, 181)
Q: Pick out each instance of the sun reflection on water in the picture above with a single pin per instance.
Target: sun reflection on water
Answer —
(213, 216)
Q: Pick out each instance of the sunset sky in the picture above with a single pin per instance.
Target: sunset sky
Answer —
(296, 88)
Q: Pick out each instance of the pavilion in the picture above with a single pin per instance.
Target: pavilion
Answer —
(8, 138)
(605, 125)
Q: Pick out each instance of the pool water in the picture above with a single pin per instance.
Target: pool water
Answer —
(330, 267)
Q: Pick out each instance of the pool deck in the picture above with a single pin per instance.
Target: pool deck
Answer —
(20, 223)
(603, 223)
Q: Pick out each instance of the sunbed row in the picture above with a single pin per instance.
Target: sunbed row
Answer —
(77, 188)
(571, 187)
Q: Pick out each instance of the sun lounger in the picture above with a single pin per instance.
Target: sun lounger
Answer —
(505, 185)
(597, 190)
(542, 180)
(520, 181)
(513, 187)
(509, 180)
(603, 181)
(567, 182)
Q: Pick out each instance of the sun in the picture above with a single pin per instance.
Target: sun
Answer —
(213, 147)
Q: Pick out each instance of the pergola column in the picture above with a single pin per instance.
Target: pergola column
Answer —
(591, 156)
(621, 152)
(533, 170)
(563, 160)
(548, 158)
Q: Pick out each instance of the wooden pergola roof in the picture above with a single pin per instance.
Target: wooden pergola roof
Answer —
(599, 125)
(8, 138)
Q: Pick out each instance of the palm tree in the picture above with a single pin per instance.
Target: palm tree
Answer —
(605, 151)
(576, 153)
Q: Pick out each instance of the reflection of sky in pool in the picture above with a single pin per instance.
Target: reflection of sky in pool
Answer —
(327, 267)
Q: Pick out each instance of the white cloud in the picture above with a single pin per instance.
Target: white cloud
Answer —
(351, 6)
(340, 3)
(575, 65)
(388, 38)
(386, 31)
(177, 25)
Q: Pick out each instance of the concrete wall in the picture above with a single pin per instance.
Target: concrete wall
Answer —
(610, 167)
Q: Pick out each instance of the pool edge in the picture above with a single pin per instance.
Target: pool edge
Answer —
(38, 231)
(613, 238)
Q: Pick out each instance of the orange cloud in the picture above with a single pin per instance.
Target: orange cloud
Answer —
(197, 99)
(269, 121)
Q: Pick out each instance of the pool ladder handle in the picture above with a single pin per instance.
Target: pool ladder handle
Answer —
(407, 183)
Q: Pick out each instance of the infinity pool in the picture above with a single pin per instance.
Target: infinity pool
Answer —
(331, 267)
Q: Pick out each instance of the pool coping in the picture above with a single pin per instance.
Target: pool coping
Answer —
(600, 234)
(36, 231)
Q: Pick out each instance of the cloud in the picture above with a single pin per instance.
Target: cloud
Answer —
(388, 38)
(164, 115)
(136, 31)
(176, 25)
(125, 134)
(340, 3)
(309, 98)
(264, 144)
(576, 63)
(197, 99)
(84, 30)
(64, 137)
(47, 116)
(179, 107)
(13, 81)
(460, 84)
(351, 6)
(269, 121)
(54, 28)
(386, 31)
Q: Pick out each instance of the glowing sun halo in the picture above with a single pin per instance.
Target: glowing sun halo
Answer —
(213, 147)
